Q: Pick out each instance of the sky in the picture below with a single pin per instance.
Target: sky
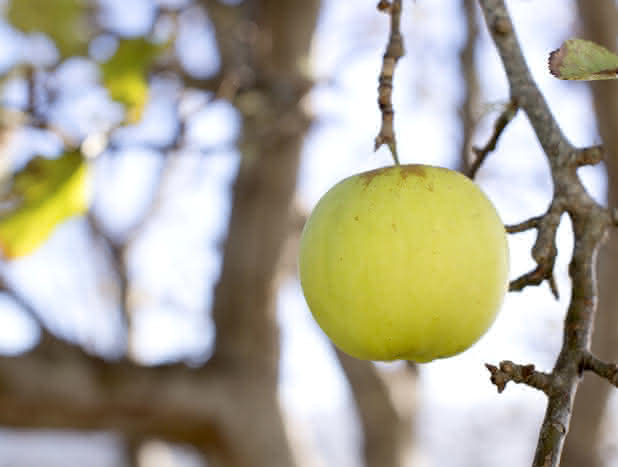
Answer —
(456, 427)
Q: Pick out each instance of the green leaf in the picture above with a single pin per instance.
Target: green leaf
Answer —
(578, 59)
(48, 191)
(125, 74)
(64, 21)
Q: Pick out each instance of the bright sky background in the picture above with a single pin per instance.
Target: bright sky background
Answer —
(175, 259)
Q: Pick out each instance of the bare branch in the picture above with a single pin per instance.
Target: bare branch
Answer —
(118, 248)
(521, 374)
(609, 371)
(544, 250)
(588, 156)
(116, 395)
(117, 252)
(532, 223)
(499, 126)
(24, 304)
(467, 61)
(211, 83)
(590, 224)
(394, 51)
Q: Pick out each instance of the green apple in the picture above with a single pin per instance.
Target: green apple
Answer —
(404, 262)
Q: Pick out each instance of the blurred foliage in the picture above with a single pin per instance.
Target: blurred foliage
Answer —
(47, 192)
(64, 21)
(125, 74)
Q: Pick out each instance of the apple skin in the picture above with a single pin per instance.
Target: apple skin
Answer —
(405, 262)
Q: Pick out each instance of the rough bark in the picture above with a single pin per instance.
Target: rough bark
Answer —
(600, 24)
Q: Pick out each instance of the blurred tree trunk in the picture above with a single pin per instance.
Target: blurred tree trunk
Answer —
(229, 408)
(600, 23)
(244, 311)
(386, 404)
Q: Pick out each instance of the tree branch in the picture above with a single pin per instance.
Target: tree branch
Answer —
(598, 21)
(394, 51)
(499, 126)
(532, 223)
(522, 374)
(27, 308)
(590, 224)
(544, 251)
(609, 371)
(588, 156)
(173, 402)
(468, 109)
(117, 251)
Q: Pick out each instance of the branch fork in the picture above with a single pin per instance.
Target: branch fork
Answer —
(544, 251)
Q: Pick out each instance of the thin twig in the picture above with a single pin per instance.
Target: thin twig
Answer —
(532, 223)
(609, 371)
(394, 51)
(117, 252)
(588, 156)
(499, 126)
(468, 66)
(522, 374)
(31, 82)
(544, 251)
(26, 307)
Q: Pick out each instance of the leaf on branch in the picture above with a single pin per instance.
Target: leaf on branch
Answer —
(64, 21)
(47, 191)
(125, 74)
(578, 59)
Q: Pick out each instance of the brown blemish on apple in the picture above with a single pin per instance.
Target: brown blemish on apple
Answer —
(405, 171)
(415, 170)
(367, 177)
(394, 227)
(355, 218)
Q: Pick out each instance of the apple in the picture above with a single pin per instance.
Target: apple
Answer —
(404, 262)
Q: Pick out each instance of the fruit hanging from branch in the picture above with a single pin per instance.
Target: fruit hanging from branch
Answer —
(405, 262)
